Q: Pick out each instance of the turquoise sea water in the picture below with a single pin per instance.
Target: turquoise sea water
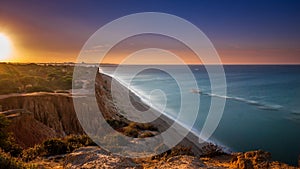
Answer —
(262, 109)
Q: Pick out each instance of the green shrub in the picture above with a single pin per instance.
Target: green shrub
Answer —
(130, 131)
(12, 147)
(4, 122)
(75, 141)
(8, 86)
(33, 152)
(142, 126)
(146, 126)
(211, 150)
(175, 151)
(146, 134)
(7, 141)
(116, 124)
(8, 162)
(55, 146)
(38, 89)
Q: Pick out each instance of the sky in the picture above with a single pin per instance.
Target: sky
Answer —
(243, 32)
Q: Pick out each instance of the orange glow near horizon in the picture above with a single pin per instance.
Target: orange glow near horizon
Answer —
(226, 57)
(18, 52)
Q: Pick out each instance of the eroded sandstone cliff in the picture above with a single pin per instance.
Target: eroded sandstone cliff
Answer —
(55, 111)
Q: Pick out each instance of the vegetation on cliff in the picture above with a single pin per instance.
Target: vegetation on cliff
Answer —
(13, 156)
(56, 146)
(7, 141)
(26, 78)
(9, 150)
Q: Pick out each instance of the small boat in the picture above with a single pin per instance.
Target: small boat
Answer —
(196, 91)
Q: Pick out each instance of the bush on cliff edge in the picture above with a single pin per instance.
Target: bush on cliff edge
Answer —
(8, 162)
(57, 146)
(7, 141)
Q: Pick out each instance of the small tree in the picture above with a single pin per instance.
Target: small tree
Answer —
(4, 122)
(55, 147)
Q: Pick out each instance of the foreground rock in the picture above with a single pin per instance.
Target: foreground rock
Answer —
(94, 157)
(182, 161)
(257, 159)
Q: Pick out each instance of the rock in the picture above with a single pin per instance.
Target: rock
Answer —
(182, 161)
(256, 160)
(252, 159)
(95, 157)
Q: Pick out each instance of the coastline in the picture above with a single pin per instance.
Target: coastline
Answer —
(163, 122)
(61, 114)
(191, 140)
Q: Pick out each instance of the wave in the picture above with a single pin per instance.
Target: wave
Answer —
(259, 105)
(294, 116)
(289, 114)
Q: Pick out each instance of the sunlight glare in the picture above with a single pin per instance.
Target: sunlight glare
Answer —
(5, 47)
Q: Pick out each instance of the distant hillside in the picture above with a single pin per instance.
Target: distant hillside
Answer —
(27, 78)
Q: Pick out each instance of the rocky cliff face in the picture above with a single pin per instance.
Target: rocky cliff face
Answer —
(28, 131)
(97, 158)
(53, 110)
(52, 114)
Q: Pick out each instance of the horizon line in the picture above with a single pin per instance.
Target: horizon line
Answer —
(3, 62)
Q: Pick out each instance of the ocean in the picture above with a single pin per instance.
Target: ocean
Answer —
(262, 109)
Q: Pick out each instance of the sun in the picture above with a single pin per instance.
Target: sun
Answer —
(5, 47)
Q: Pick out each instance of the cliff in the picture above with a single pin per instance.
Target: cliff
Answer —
(28, 131)
(50, 111)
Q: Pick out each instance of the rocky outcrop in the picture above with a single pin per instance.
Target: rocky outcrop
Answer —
(249, 160)
(96, 158)
(182, 161)
(257, 160)
(253, 159)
